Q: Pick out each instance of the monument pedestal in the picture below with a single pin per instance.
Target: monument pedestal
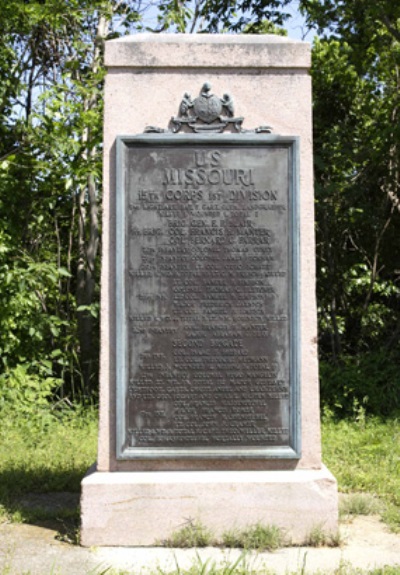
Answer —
(140, 509)
(209, 390)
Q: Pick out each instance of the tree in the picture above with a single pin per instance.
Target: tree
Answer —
(219, 15)
(50, 120)
(356, 131)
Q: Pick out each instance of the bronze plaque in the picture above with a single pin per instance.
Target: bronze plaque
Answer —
(207, 292)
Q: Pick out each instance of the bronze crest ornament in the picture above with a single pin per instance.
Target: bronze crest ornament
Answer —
(207, 114)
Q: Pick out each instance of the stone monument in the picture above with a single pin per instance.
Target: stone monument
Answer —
(209, 374)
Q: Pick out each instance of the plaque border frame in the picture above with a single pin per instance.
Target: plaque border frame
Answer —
(124, 453)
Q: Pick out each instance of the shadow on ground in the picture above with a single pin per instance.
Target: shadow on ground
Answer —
(44, 499)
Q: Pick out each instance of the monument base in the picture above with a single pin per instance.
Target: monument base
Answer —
(143, 508)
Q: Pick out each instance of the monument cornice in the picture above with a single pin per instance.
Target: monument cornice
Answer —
(223, 51)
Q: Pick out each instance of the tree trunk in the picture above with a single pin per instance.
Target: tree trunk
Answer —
(88, 238)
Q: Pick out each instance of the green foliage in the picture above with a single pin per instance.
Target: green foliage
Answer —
(28, 394)
(391, 516)
(386, 570)
(356, 143)
(370, 381)
(219, 15)
(28, 305)
(265, 27)
(50, 189)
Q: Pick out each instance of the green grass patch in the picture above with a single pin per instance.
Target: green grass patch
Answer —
(259, 537)
(359, 504)
(255, 537)
(193, 534)
(364, 456)
(38, 459)
(318, 537)
(54, 458)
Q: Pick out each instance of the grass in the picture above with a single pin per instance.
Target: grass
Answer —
(243, 567)
(193, 534)
(318, 537)
(364, 456)
(359, 504)
(256, 537)
(38, 458)
(259, 537)
(53, 458)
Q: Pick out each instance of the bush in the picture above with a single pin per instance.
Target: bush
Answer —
(26, 393)
(370, 381)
